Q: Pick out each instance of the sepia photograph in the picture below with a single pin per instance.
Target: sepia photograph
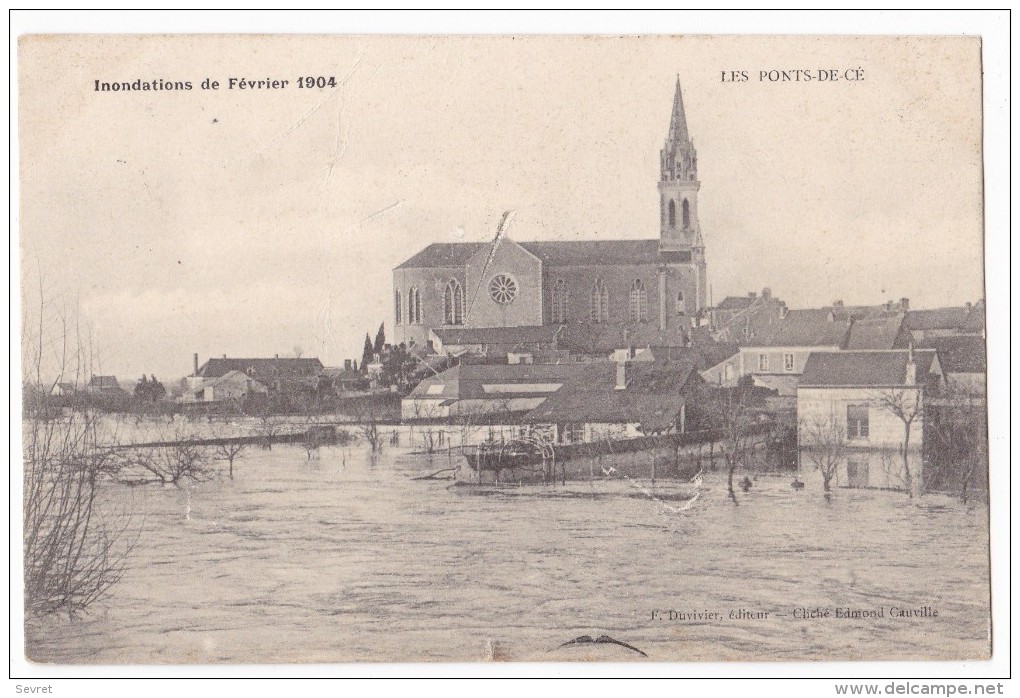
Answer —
(505, 348)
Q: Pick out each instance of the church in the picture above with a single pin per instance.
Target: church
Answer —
(605, 294)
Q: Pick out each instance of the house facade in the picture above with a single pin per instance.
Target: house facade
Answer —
(485, 392)
(614, 291)
(231, 386)
(870, 403)
(634, 394)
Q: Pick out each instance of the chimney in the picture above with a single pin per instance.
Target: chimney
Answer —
(277, 356)
(911, 377)
(766, 293)
(838, 303)
(904, 304)
(347, 364)
(968, 304)
(783, 312)
(752, 294)
(224, 356)
(888, 305)
(195, 358)
(621, 375)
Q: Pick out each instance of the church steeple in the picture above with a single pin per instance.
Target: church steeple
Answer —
(681, 247)
(678, 122)
(679, 158)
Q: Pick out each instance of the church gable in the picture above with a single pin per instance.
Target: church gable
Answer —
(504, 287)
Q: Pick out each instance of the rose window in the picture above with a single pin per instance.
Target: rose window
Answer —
(502, 289)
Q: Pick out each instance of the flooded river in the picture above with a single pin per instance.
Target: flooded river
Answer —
(346, 558)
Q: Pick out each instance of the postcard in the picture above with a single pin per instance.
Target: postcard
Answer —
(503, 349)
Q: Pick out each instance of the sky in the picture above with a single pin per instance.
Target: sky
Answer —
(262, 222)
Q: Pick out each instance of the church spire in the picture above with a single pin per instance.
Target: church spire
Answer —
(678, 122)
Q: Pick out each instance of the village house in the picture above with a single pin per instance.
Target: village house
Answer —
(871, 404)
(962, 359)
(232, 386)
(635, 394)
(278, 374)
(105, 386)
(742, 318)
(968, 319)
(485, 391)
(777, 359)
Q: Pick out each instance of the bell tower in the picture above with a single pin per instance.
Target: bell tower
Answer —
(680, 242)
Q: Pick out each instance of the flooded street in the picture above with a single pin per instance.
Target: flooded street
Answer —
(346, 558)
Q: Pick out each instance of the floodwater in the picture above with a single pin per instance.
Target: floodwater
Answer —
(346, 558)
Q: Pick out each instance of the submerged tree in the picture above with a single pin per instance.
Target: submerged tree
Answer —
(824, 441)
(74, 551)
(904, 404)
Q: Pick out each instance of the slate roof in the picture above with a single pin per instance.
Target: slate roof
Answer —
(735, 303)
(229, 376)
(551, 252)
(863, 368)
(530, 334)
(653, 396)
(263, 368)
(961, 354)
(104, 383)
(880, 332)
(804, 328)
(945, 319)
(468, 381)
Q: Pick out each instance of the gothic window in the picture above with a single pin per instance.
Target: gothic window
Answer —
(414, 312)
(685, 214)
(680, 309)
(502, 289)
(672, 214)
(559, 302)
(453, 303)
(638, 302)
(599, 302)
(396, 307)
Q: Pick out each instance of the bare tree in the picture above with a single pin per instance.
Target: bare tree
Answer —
(824, 442)
(730, 410)
(368, 427)
(181, 458)
(74, 552)
(958, 446)
(229, 450)
(905, 405)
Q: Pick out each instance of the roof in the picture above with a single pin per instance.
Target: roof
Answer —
(804, 328)
(551, 252)
(262, 368)
(735, 303)
(862, 368)
(495, 381)
(879, 332)
(531, 334)
(104, 383)
(960, 318)
(653, 396)
(228, 377)
(959, 354)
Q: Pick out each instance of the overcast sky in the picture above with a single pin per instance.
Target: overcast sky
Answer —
(249, 223)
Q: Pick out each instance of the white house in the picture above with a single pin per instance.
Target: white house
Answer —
(233, 385)
(872, 402)
(485, 390)
(777, 359)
